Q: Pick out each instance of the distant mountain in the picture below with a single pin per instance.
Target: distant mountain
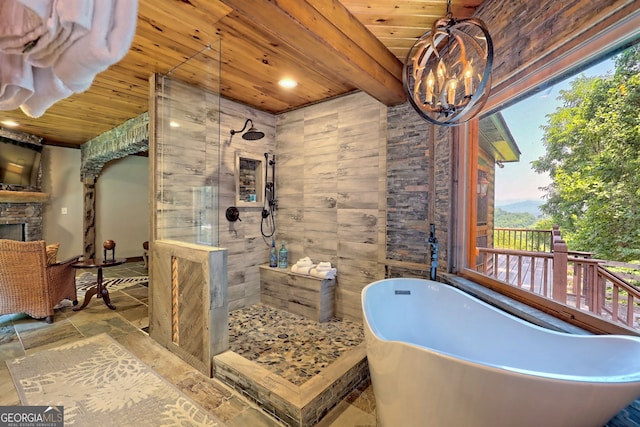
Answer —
(525, 206)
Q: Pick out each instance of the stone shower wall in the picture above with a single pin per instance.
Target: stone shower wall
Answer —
(418, 189)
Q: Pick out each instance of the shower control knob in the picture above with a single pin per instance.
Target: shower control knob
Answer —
(232, 214)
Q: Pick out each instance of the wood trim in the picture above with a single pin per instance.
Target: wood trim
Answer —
(23, 197)
(471, 199)
(569, 314)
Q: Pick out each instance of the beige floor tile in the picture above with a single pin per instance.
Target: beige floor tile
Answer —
(346, 415)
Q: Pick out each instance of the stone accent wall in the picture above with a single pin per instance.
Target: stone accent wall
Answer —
(409, 186)
(418, 189)
(131, 137)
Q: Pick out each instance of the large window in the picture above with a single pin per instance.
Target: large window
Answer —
(475, 223)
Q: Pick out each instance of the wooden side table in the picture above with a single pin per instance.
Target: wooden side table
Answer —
(99, 289)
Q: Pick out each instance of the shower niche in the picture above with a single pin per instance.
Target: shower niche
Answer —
(249, 177)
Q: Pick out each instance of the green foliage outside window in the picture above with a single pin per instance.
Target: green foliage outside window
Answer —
(593, 157)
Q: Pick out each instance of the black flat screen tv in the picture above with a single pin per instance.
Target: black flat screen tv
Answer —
(19, 164)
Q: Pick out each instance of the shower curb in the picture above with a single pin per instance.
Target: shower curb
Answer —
(299, 406)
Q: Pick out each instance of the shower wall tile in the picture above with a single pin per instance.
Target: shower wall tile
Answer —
(342, 145)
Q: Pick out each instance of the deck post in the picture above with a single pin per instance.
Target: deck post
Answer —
(560, 261)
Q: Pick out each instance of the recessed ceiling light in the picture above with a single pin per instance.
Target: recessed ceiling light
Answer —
(288, 83)
(174, 124)
(9, 123)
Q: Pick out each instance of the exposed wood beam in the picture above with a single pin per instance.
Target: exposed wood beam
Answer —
(330, 40)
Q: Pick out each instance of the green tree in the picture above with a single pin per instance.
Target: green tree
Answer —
(507, 219)
(592, 146)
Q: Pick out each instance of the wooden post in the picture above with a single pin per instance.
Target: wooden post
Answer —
(560, 260)
(89, 220)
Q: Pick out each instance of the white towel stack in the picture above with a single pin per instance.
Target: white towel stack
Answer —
(303, 266)
(324, 271)
(50, 49)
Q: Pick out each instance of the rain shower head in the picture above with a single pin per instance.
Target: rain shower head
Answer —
(252, 134)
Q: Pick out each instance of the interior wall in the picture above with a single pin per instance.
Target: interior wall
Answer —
(122, 211)
(61, 179)
(122, 206)
(331, 162)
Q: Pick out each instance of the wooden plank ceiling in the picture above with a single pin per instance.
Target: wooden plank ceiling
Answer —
(329, 47)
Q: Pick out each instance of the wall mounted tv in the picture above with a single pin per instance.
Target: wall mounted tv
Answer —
(19, 163)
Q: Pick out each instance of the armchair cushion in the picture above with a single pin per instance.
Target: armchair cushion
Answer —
(52, 253)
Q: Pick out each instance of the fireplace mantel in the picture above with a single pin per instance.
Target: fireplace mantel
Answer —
(7, 196)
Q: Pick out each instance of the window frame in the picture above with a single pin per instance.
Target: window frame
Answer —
(611, 35)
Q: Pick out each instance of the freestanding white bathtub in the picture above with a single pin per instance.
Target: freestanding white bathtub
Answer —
(440, 357)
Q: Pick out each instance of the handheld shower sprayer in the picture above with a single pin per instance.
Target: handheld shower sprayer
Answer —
(270, 201)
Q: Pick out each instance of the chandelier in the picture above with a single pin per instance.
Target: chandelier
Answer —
(447, 73)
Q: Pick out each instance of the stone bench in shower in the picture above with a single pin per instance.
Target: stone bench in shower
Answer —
(308, 296)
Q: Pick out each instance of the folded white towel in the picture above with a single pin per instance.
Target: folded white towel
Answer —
(304, 262)
(324, 266)
(306, 270)
(324, 274)
(108, 41)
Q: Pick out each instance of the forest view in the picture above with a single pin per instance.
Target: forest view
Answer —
(592, 155)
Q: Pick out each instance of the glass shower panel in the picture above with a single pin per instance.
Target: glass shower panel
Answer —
(188, 150)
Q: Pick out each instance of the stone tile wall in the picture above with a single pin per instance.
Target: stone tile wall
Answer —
(29, 214)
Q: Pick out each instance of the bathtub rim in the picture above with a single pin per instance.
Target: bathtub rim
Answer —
(609, 379)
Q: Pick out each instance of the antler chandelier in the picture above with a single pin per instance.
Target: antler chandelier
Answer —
(447, 73)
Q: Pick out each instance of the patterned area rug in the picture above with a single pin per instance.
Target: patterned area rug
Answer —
(86, 280)
(99, 383)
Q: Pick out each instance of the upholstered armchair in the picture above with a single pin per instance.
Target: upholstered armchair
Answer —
(29, 284)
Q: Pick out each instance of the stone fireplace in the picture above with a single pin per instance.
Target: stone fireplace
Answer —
(21, 221)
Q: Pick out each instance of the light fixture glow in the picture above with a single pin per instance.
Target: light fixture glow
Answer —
(447, 73)
(288, 83)
(174, 124)
(9, 123)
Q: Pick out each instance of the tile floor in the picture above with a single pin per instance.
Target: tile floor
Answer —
(20, 335)
(290, 345)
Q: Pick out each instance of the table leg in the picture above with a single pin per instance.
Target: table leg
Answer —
(103, 292)
(87, 297)
(100, 291)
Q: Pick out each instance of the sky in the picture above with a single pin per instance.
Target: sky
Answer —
(517, 181)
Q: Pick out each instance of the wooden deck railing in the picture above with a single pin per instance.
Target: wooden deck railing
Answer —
(573, 278)
(523, 239)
